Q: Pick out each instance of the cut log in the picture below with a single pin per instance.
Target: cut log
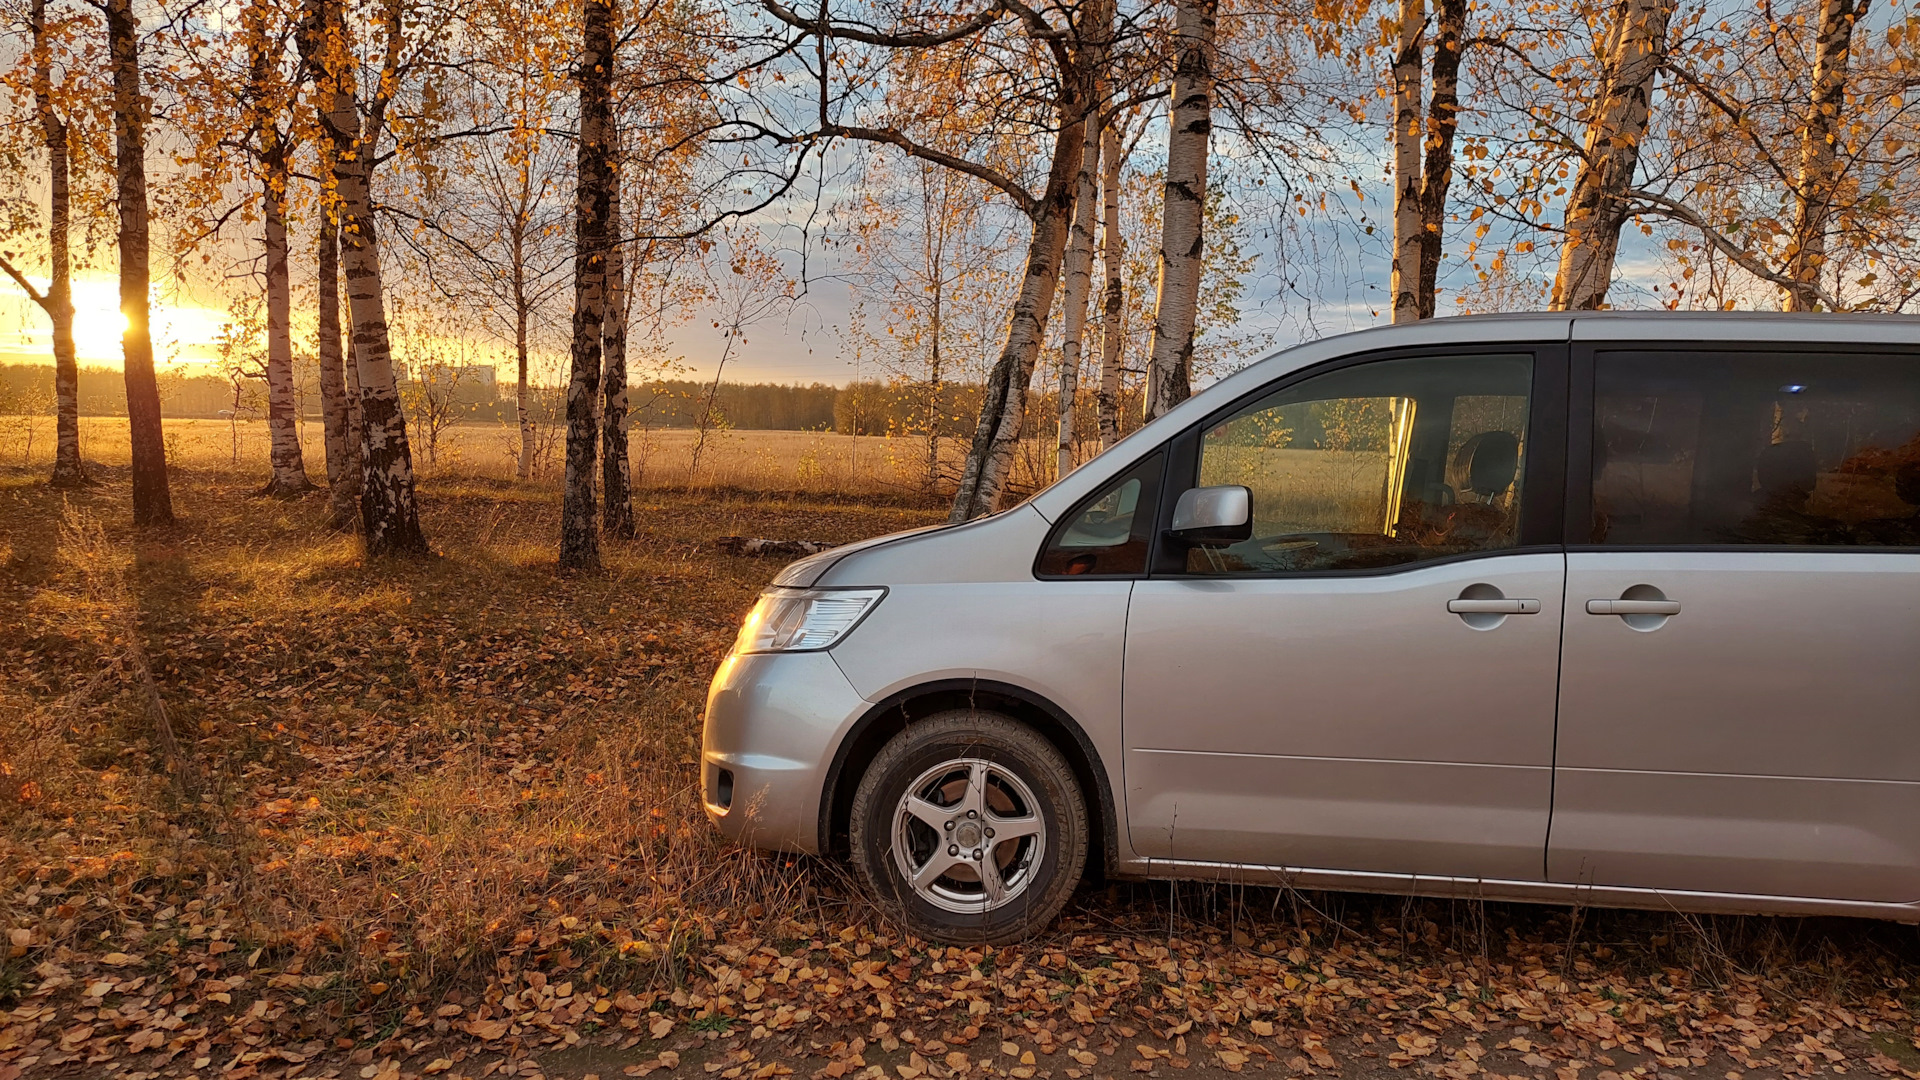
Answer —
(748, 545)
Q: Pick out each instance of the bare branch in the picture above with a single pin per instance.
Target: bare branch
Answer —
(21, 280)
(1661, 206)
(922, 40)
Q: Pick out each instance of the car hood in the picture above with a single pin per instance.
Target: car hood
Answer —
(805, 572)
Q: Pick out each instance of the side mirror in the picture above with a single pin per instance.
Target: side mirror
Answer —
(1213, 516)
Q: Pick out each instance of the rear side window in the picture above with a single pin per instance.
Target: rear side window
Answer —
(1107, 535)
(1802, 448)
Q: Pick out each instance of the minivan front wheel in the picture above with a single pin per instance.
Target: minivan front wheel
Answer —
(970, 827)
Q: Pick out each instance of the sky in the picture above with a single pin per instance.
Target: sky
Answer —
(1311, 278)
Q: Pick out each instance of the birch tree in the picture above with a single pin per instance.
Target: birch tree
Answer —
(1097, 31)
(1113, 303)
(579, 529)
(1079, 272)
(1407, 239)
(267, 100)
(499, 212)
(1182, 237)
(1423, 149)
(1819, 177)
(1050, 210)
(50, 104)
(1616, 131)
(616, 470)
(389, 516)
(341, 436)
(152, 498)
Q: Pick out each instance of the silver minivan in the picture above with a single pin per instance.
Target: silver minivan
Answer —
(1604, 608)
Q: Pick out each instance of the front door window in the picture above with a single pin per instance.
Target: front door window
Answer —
(1374, 466)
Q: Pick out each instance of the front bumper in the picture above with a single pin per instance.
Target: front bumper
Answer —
(773, 723)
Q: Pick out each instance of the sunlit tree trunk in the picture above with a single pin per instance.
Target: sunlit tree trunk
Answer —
(338, 435)
(289, 465)
(289, 477)
(69, 470)
(1113, 307)
(616, 477)
(1820, 178)
(1079, 271)
(522, 390)
(389, 515)
(1183, 214)
(1407, 236)
(579, 525)
(1436, 172)
(1004, 399)
(152, 500)
(1596, 210)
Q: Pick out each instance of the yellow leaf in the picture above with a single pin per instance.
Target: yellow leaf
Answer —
(487, 1030)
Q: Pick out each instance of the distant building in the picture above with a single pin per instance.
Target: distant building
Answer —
(475, 384)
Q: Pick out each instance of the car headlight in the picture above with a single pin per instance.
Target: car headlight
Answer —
(803, 620)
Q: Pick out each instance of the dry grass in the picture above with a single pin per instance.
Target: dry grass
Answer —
(793, 462)
(394, 771)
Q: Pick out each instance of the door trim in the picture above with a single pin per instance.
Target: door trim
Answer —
(1543, 892)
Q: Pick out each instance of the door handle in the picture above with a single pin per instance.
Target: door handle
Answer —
(1503, 606)
(1633, 607)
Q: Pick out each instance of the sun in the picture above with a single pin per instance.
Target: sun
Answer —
(98, 322)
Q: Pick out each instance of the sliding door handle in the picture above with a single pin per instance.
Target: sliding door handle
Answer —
(1503, 606)
(1633, 607)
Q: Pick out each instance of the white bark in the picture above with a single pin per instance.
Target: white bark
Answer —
(1597, 208)
(1079, 272)
(1003, 405)
(1182, 234)
(389, 515)
(1407, 235)
(289, 466)
(1819, 180)
(1113, 307)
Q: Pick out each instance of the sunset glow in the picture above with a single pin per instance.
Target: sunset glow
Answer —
(181, 333)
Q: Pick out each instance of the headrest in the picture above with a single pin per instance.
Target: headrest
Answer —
(1490, 461)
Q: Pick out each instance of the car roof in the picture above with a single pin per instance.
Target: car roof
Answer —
(1678, 327)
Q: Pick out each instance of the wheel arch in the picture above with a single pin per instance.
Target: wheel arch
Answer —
(892, 714)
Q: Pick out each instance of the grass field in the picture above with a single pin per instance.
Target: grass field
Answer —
(788, 461)
(439, 817)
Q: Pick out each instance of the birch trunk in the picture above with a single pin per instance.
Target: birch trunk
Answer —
(1597, 208)
(616, 477)
(152, 501)
(389, 516)
(341, 441)
(1182, 218)
(1079, 271)
(1436, 172)
(522, 310)
(1819, 173)
(1407, 237)
(289, 464)
(1114, 306)
(1004, 400)
(69, 470)
(579, 528)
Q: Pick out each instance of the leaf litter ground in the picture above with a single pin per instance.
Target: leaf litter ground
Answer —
(440, 818)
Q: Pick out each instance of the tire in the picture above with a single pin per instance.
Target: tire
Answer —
(985, 788)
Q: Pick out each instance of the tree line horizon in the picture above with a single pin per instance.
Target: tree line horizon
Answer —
(1009, 182)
